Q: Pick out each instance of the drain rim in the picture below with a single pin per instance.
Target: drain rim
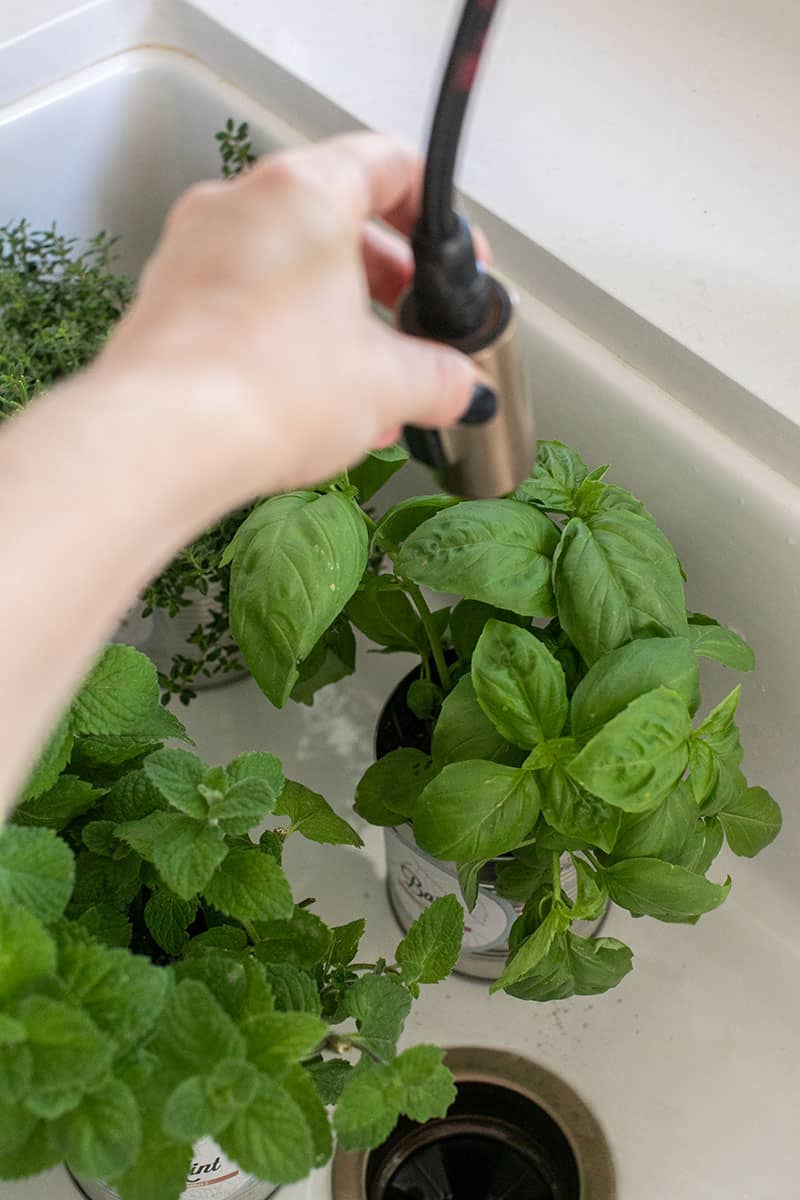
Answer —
(505, 1069)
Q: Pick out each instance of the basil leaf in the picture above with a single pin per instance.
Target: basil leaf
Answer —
(291, 579)
(660, 833)
(463, 730)
(616, 578)
(388, 791)
(554, 481)
(519, 685)
(649, 887)
(498, 551)
(532, 950)
(636, 760)
(751, 822)
(711, 640)
(467, 622)
(406, 516)
(475, 810)
(376, 469)
(469, 881)
(565, 806)
(382, 611)
(333, 658)
(627, 673)
(594, 496)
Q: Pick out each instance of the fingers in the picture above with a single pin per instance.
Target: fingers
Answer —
(388, 264)
(419, 382)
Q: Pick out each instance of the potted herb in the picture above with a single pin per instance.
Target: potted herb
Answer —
(168, 1014)
(58, 304)
(543, 752)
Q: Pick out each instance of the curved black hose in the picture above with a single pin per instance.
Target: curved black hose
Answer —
(439, 220)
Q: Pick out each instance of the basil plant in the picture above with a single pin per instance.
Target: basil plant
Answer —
(559, 697)
(158, 981)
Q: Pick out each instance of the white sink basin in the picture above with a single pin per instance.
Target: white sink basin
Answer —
(690, 1064)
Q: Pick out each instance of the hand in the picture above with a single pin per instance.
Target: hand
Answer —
(253, 322)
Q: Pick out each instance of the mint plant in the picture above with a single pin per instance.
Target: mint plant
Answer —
(158, 982)
(555, 705)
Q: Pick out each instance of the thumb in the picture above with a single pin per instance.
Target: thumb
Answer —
(420, 382)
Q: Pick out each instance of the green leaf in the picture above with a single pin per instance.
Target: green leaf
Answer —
(250, 886)
(121, 696)
(176, 774)
(565, 806)
(123, 993)
(329, 1078)
(532, 950)
(16, 1071)
(294, 990)
(426, 1086)
(751, 822)
(194, 1030)
(100, 837)
(276, 1040)
(432, 945)
(368, 1107)
(242, 806)
(69, 1053)
(60, 804)
(407, 515)
(106, 924)
(304, 940)
(37, 870)
(52, 762)
(189, 855)
(38, 1148)
(204, 1104)
(519, 685)
(133, 797)
(591, 898)
(26, 950)
(101, 881)
(629, 672)
(345, 941)
(636, 760)
(12, 1033)
(388, 791)
(313, 817)
(91, 754)
(380, 1005)
(383, 612)
(331, 659)
(303, 1091)
(476, 810)
(270, 1138)
(576, 966)
(498, 551)
(291, 579)
(468, 620)
(147, 833)
(616, 578)
(102, 1136)
(595, 496)
(160, 1174)
(555, 479)
(423, 698)
(219, 937)
(168, 918)
(225, 975)
(463, 730)
(257, 765)
(370, 475)
(649, 887)
(727, 647)
(715, 753)
(660, 833)
(469, 881)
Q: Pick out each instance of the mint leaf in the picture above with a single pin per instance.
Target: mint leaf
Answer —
(37, 870)
(100, 837)
(368, 1107)
(432, 945)
(12, 1032)
(345, 941)
(497, 551)
(60, 804)
(312, 816)
(121, 696)
(26, 950)
(751, 822)
(304, 1093)
(242, 806)
(250, 885)
(294, 990)
(225, 975)
(193, 1022)
(176, 775)
(69, 1053)
(463, 730)
(476, 810)
(123, 993)
(257, 765)
(636, 760)
(102, 1136)
(133, 797)
(168, 918)
(329, 1077)
(188, 855)
(426, 1086)
(389, 789)
(106, 924)
(278, 1039)
(37, 1146)
(204, 1104)
(380, 1005)
(304, 940)
(160, 1174)
(270, 1138)
(554, 481)
(625, 674)
(54, 758)
(519, 684)
(146, 833)
(649, 887)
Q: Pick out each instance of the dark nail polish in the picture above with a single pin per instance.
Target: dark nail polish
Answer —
(482, 406)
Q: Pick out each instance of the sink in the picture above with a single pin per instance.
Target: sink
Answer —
(688, 1065)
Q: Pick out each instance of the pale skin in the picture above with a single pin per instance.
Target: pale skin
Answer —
(249, 363)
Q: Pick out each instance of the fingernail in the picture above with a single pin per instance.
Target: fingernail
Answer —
(482, 406)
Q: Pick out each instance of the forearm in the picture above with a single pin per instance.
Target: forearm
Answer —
(98, 488)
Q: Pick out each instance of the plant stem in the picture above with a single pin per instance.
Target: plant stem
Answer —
(371, 525)
(250, 931)
(426, 616)
(556, 877)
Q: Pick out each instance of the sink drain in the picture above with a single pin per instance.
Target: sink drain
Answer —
(514, 1132)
